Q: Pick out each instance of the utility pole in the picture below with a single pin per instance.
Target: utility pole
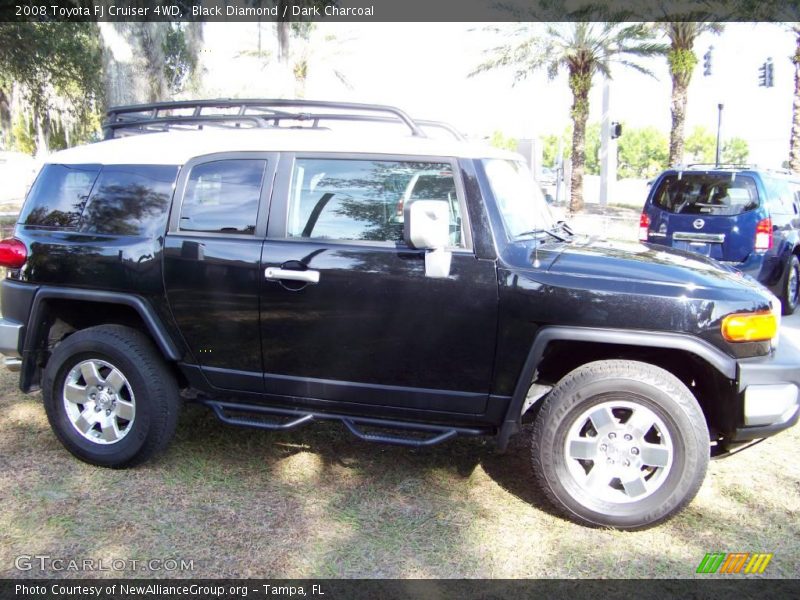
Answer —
(719, 129)
(608, 149)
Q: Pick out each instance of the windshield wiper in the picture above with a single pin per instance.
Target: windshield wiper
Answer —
(549, 232)
(565, 226)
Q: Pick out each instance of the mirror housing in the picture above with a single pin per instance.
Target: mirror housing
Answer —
(426, 226)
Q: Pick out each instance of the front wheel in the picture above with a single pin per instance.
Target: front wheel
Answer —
(620, 444)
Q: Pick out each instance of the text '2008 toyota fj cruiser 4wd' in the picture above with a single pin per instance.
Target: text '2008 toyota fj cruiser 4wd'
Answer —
(412, 288)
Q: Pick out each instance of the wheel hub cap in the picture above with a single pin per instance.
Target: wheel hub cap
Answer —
(99, 401)
(618, 451)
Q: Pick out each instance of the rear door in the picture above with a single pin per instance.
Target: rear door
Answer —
(715, 214)
(212, 255)
(347, 313)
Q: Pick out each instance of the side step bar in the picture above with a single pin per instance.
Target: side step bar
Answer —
(226, 412)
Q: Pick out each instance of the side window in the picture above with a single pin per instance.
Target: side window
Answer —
(363, 200)
(59, 195)
(130, 200)
(223, 196)
(781, 197)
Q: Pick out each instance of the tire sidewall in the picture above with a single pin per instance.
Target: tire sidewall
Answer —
(687, 461)
(66, 356)
(790, 302)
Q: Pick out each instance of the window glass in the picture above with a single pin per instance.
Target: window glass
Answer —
(720, 194)
(223, 196)
(58, 196)
(364, 199)
(780, 196)
(519, 198)
(130, 200)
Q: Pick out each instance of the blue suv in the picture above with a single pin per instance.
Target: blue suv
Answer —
(745, 217)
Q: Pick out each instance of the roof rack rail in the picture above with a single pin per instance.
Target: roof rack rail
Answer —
(714, 166)
(233, 113)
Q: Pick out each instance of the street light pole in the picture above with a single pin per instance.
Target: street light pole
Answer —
(719, 128)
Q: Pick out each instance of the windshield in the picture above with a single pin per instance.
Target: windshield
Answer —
(521, 202)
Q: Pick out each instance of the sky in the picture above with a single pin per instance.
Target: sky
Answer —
(424, 67)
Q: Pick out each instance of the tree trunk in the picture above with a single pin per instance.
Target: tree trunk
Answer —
(794, 144)
(134, 62)
(283, 39)
(678, 108)
(580, 81)
(41, 120)
(5, 119)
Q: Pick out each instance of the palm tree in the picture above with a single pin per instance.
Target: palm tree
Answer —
(794, 143)
(582, 49)
(682, 61)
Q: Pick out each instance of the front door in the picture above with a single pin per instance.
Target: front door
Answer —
(347, 313)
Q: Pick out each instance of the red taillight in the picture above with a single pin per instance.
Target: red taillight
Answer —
(13, 253)
(644, 227)
(764, 234)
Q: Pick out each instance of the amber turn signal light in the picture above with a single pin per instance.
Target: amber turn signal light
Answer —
(750, 327)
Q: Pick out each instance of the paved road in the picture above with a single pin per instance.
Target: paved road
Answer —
(790, 332)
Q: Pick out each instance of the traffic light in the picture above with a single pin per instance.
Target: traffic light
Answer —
(707, 62)
(762, 75)
(769, 73)
(766, 74)
(616, 130)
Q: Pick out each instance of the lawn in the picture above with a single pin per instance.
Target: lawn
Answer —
(318, 503)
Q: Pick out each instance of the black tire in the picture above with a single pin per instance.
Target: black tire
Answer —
(149, 387)
(634, 388)
(791, 297)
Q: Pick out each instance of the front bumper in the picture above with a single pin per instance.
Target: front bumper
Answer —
(770, 387)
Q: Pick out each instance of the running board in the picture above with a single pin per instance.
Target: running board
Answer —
(226, 412)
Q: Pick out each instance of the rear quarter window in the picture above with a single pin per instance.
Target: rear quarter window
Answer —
(58, 196)
(130, 200)
(715, 194)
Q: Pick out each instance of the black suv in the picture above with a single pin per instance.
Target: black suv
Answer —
(244, 255)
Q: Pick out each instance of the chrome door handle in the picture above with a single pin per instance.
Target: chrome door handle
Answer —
(292, 275)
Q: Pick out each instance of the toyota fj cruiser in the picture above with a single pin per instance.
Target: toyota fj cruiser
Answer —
(246, 255)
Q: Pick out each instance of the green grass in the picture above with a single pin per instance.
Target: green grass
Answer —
(318, 503)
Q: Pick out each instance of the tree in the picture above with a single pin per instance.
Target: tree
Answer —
(682, 61)
(502, 141)
(56, 66)
(642, 153)
(582, 49)
(794, 142)
(735, 151)
(179, 60)
(134, 62)
(701, 147)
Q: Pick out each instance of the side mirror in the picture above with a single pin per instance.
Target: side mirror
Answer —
(426, 226)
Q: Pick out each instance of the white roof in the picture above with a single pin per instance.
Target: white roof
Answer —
(177, 147)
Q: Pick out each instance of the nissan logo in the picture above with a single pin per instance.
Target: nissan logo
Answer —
(698, 223)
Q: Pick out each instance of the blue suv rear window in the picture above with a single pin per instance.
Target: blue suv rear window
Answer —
(722, 194)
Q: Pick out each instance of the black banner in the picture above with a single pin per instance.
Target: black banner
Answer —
(355, 589)
(399, 10)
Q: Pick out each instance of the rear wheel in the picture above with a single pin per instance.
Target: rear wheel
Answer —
(109, 397)
(620, 444)
(791, 286)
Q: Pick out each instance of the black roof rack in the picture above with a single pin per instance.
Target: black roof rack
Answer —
(233, 113)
